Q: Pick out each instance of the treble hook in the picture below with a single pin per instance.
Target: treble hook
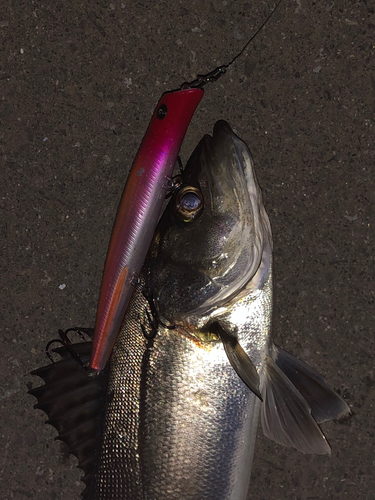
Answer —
(65, 342)
(153, 318)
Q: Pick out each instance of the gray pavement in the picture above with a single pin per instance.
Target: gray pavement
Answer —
(78, 84)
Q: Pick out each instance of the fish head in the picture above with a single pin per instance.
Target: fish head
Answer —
(209, 242)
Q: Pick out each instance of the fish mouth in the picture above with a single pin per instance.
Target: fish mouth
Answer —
(199, 267)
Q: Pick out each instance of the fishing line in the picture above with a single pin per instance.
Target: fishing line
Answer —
(215, 74)
(254, 35)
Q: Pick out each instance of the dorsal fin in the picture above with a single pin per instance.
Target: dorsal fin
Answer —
(74, 403)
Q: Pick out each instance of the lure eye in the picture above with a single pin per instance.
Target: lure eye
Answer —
(162, 112)
(189, 203)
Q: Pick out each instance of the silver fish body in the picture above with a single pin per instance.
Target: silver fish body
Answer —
(194, 365)
(181, 423)
(188, 431)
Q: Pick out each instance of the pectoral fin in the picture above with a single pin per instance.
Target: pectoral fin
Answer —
(239, 360)
(286, 416)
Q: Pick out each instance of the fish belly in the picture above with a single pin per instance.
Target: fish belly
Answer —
(179, 422)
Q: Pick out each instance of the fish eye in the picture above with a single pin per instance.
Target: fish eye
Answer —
(189, 203)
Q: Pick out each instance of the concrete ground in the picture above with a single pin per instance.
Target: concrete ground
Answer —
(79, 81)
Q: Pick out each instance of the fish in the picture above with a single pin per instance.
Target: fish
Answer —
(175, 413)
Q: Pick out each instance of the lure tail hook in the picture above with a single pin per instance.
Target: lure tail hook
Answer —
(65, 342)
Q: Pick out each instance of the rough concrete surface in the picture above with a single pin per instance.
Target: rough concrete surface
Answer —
(79, 81)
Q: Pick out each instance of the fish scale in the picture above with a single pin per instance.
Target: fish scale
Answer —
(198, 441)
(119, 473)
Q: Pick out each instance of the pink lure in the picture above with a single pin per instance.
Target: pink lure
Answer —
(138, 214)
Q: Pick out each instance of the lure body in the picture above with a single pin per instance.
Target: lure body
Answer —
(138, 214)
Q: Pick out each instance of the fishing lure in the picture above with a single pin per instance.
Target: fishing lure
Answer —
(149, 181)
